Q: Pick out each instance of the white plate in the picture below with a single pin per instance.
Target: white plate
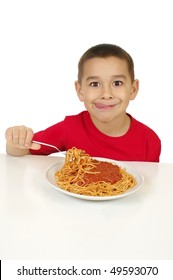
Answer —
(50, 177)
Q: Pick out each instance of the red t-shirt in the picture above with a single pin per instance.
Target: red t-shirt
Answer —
(140, 143)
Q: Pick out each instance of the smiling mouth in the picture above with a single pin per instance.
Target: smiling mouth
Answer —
(102, 106)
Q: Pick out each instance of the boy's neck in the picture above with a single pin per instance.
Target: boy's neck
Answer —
(118, 127)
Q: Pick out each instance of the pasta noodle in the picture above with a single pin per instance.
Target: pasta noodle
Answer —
(81, 174)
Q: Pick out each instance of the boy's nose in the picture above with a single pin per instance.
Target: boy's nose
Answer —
(106, 94)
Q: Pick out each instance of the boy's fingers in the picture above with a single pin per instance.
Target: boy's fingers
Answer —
(9, 135)
(15, 135)
(12, 136)
(28, 137)
(21, 137)
(34, 146)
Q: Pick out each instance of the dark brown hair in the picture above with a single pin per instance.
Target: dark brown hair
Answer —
(105, 50)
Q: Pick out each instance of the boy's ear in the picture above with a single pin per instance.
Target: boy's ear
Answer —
(134, 90)
(79, 90)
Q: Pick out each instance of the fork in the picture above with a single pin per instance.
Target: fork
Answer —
(49, 145)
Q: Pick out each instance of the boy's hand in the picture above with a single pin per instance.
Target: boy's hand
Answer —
(20, 137)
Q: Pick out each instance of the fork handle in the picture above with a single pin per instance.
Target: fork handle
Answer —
(45, 144)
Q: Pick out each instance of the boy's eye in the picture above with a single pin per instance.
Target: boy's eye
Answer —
(117, 83)
(94, 84)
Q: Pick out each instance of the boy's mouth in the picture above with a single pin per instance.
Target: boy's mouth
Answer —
(102, 106)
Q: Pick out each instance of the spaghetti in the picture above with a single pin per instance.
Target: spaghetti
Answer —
(81, 174)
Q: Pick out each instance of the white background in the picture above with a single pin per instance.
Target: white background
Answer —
(42, 41)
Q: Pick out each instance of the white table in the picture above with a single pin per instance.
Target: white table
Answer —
(39, 222)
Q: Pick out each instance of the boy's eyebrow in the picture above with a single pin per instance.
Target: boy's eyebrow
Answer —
(121, 76)
(92, 78)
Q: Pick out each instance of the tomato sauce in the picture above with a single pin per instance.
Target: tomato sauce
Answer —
(107, 172)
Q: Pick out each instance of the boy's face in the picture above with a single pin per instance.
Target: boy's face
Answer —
(106, 88)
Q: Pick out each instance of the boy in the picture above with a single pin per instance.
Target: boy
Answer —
(106, 84)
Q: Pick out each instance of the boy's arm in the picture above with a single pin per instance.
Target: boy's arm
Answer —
(19, 141)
